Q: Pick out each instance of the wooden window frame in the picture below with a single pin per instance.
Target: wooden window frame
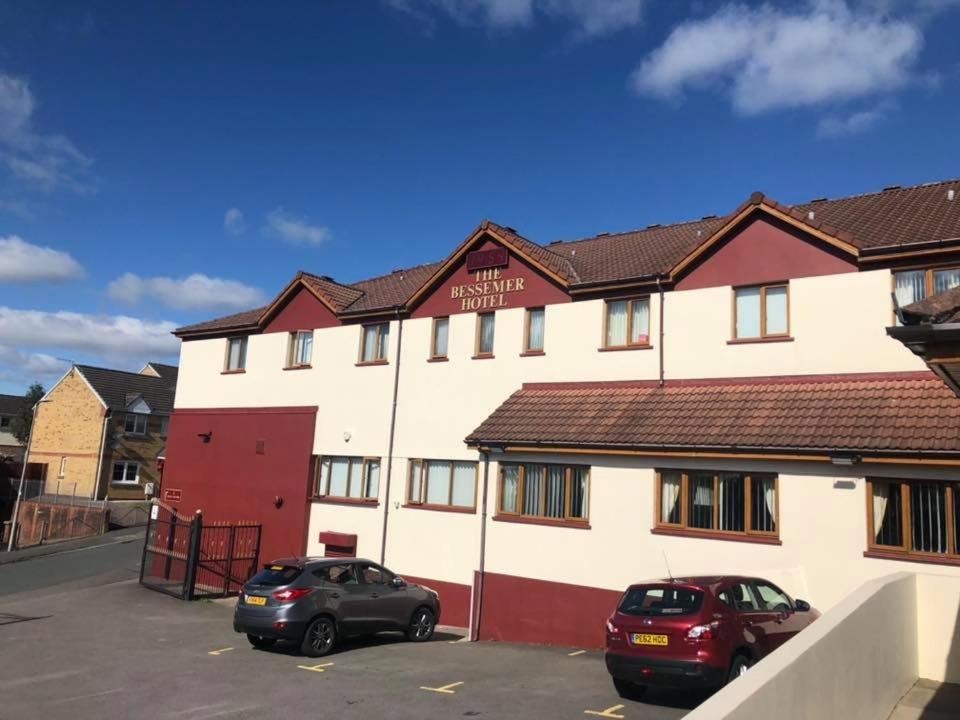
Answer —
(293, 350)
(135, 417)
(227, 370)
(364, 499)
(377, 360)
(527, 350)
(421, 466)
(764, 336)
(928, 279)
(905, 551)
(434, 355)
(606, 319)
(684, 527)
(477, 355)
(521, 516)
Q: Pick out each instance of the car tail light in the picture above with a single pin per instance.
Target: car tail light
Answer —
(612, 629)
(291, 594)
(703, 632)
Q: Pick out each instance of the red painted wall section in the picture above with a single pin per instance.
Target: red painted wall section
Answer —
(230, 481)
(449, 296)
(454, 599)
(519, 609)
(303, 311)
(765, 250)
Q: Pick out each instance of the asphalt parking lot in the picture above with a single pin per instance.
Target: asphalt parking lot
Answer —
(120, 650)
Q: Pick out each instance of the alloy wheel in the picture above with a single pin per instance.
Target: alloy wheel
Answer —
(321, 636)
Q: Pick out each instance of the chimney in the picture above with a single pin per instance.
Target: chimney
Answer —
(951, 194)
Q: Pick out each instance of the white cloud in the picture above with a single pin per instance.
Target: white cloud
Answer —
(234, 222)
(295, 230)
(590, 17)
(23, 368)
(851, 124)
(21, 262)
(768, 57)
(196, 291)
(107, 336)
(43, 161)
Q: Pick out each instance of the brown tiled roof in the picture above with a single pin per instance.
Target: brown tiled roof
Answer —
(244, 320)
(388, 291)
(556, 263)
(910, 412)
(944, 307)
(340, 296)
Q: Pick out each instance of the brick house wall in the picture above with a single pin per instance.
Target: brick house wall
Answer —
(141, 449)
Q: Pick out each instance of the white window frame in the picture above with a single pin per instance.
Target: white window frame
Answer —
(295, 349)
(126, 473)
(137, 417)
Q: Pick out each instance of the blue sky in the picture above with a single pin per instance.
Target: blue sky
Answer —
(167, 162)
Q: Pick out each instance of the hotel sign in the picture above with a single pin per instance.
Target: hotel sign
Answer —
(484, 259)
(488, 292)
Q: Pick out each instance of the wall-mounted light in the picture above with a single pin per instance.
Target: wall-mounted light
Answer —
(846, 460)
(347, 435)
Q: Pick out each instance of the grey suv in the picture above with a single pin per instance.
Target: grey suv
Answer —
(315, 601)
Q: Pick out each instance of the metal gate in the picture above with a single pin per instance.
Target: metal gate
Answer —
(184, 558)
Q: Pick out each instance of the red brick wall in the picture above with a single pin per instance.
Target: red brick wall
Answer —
(48, 521)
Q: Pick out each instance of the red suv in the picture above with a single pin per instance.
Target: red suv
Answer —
(698, 631)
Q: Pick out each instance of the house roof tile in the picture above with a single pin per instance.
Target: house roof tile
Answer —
(118, 387)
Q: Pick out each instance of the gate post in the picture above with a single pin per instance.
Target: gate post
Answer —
(193, 556)
(146, 539)
(229, 574)
(171, 536)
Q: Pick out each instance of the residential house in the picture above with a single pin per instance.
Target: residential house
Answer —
(10, 447)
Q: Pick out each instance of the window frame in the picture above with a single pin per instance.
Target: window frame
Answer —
(126, 468)
(477, 355)
(136, 417)
(929, 272)
(520, 516)
(684, 527)
(764, 335)
(434, 355)
(294, 349)
(363, 499)
(905, 551)
(378, 359)
(606, 321)
(62, 471)
(242, 367)
(420, 466)
(527, 350)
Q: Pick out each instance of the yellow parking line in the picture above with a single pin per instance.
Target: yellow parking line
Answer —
(574, 654)
(445, 689)
(315, 668)
(608, 713)
(221, 651)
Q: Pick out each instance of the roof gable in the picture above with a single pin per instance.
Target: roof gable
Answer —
(301, 309)
(117, 388)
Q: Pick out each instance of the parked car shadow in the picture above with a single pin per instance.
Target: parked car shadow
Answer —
(356, 642)
(679, 699)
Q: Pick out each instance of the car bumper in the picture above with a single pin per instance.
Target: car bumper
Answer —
(272, 625)
(664, 673)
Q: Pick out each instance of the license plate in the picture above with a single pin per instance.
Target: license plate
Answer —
(645, 639)
(257, 600)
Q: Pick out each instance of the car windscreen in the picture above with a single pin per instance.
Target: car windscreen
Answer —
(275, 575)
(661, 600)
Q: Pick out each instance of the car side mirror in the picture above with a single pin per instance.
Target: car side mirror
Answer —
(398, 582)
(801, 606)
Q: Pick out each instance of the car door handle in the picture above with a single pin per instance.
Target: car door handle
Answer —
(334, 595)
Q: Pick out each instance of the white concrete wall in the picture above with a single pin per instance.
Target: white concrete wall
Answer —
(855, 662)
(938, 627)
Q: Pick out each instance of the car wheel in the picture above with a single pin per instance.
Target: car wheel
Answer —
(628, 690)
(261, 643)
(738, 667)
(421, 626)
(319, 638)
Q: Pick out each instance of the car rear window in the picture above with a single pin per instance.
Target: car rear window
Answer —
(276, 575)
(660, 600)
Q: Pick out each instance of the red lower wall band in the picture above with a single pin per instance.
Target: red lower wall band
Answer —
(454, 600)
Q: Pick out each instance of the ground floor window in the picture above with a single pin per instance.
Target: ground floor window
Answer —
(356, 478)
(723, 502)
(127, 473)
(916, 517)
(442, 483)
(537, 490)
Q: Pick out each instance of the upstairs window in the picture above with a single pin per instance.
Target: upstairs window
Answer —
(356, 478)
(719, 502)
(533, 331)
(552, 492)
(300, 350)
(236, 360)
(373, 343)
(911, 286)
(442, 483)
(485, 328)
(438, 342)
(135, 424)
(626, 323)
(761, 312)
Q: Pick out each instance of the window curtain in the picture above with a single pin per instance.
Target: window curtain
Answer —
(533, 489)
(384, 337)
(339, 470)
(578, 492)
(511, 483)
(670, 498)
(441, 331)
(702, 492)
(237, 352)
(486, 333)
(946, 280)
(555, 491)
(536, 330)
(730, 501)
(616, 323)
(369, 343)
(416, 494)
(356, 478)
(776, 311)
(640, 322)
(306, 348)
(929, 517)
(373, 479)
(910, 286)
(464, 483)
(438, 483)
(748, 312)
(881, 496)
